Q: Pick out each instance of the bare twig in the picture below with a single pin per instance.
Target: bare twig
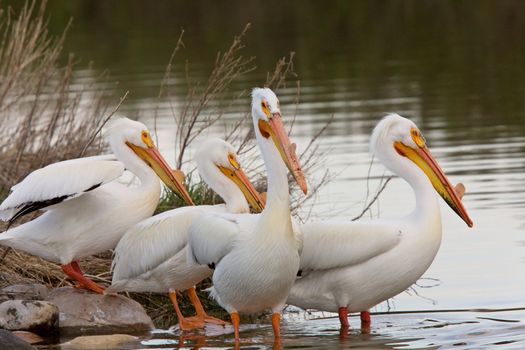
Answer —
(101, 125)
(413, 291)
(317, 135)
(228, 66)
(374, 199)
(283, 69)
(164, 85)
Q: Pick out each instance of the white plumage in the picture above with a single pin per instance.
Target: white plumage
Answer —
(151, 256)
(70, 178)
(338, 244)
(220, 233)
(141, 257)
(351, 266)
(86, 211)
(256, 256)
(256, 260)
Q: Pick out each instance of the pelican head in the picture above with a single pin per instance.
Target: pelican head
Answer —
(398, 140)
(268, 124)
(221, 156)
(137, 137)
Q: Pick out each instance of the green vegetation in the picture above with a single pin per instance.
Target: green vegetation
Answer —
(199, 192)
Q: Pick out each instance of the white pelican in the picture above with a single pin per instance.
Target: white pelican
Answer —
(350, 266)
(151, 256)
(86, 211)
(256, 257)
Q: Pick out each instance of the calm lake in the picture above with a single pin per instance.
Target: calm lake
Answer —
(456, 68)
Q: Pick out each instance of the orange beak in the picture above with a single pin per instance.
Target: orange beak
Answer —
(424, 160)
(241, 180)
(154, 159)
(275, 128)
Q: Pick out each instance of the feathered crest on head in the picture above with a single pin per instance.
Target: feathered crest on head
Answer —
(120, 123)
(115, 123)
(382, 129)
(260, 93)
(212, 144)
(257, 91)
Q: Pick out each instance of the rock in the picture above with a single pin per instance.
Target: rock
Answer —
(30, 291)
(9, 341)
(29, 337)
(84, 312)
(39, 317)
(99, 341)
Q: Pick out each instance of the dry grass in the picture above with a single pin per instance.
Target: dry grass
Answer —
(43, 120)
(38, 105)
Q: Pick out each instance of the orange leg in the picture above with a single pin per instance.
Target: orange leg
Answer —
(235, 321)
(343, 317)
(201, 314)
(365, 322)
(185, 324)
(74, 264)
(76, 267)
(276, 319)
(365, 317)
(73, 270)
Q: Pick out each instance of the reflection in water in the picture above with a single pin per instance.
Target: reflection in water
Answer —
(454, 67)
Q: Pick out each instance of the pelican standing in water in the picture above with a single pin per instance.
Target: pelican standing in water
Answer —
(351, 266)
(151, 256)
(256, 257)
(86, 210)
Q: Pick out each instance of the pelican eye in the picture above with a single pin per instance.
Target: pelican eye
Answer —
(417, 137)
(146, 138)
(233, 161)
(265, 108)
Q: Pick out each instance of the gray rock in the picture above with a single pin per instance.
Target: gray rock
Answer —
(9, 341)
(35, 316)
(30, 291)
(84, 312)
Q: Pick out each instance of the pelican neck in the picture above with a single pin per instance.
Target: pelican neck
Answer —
(231, 194)
(278, 197)
(132, 162)
(427, 205)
